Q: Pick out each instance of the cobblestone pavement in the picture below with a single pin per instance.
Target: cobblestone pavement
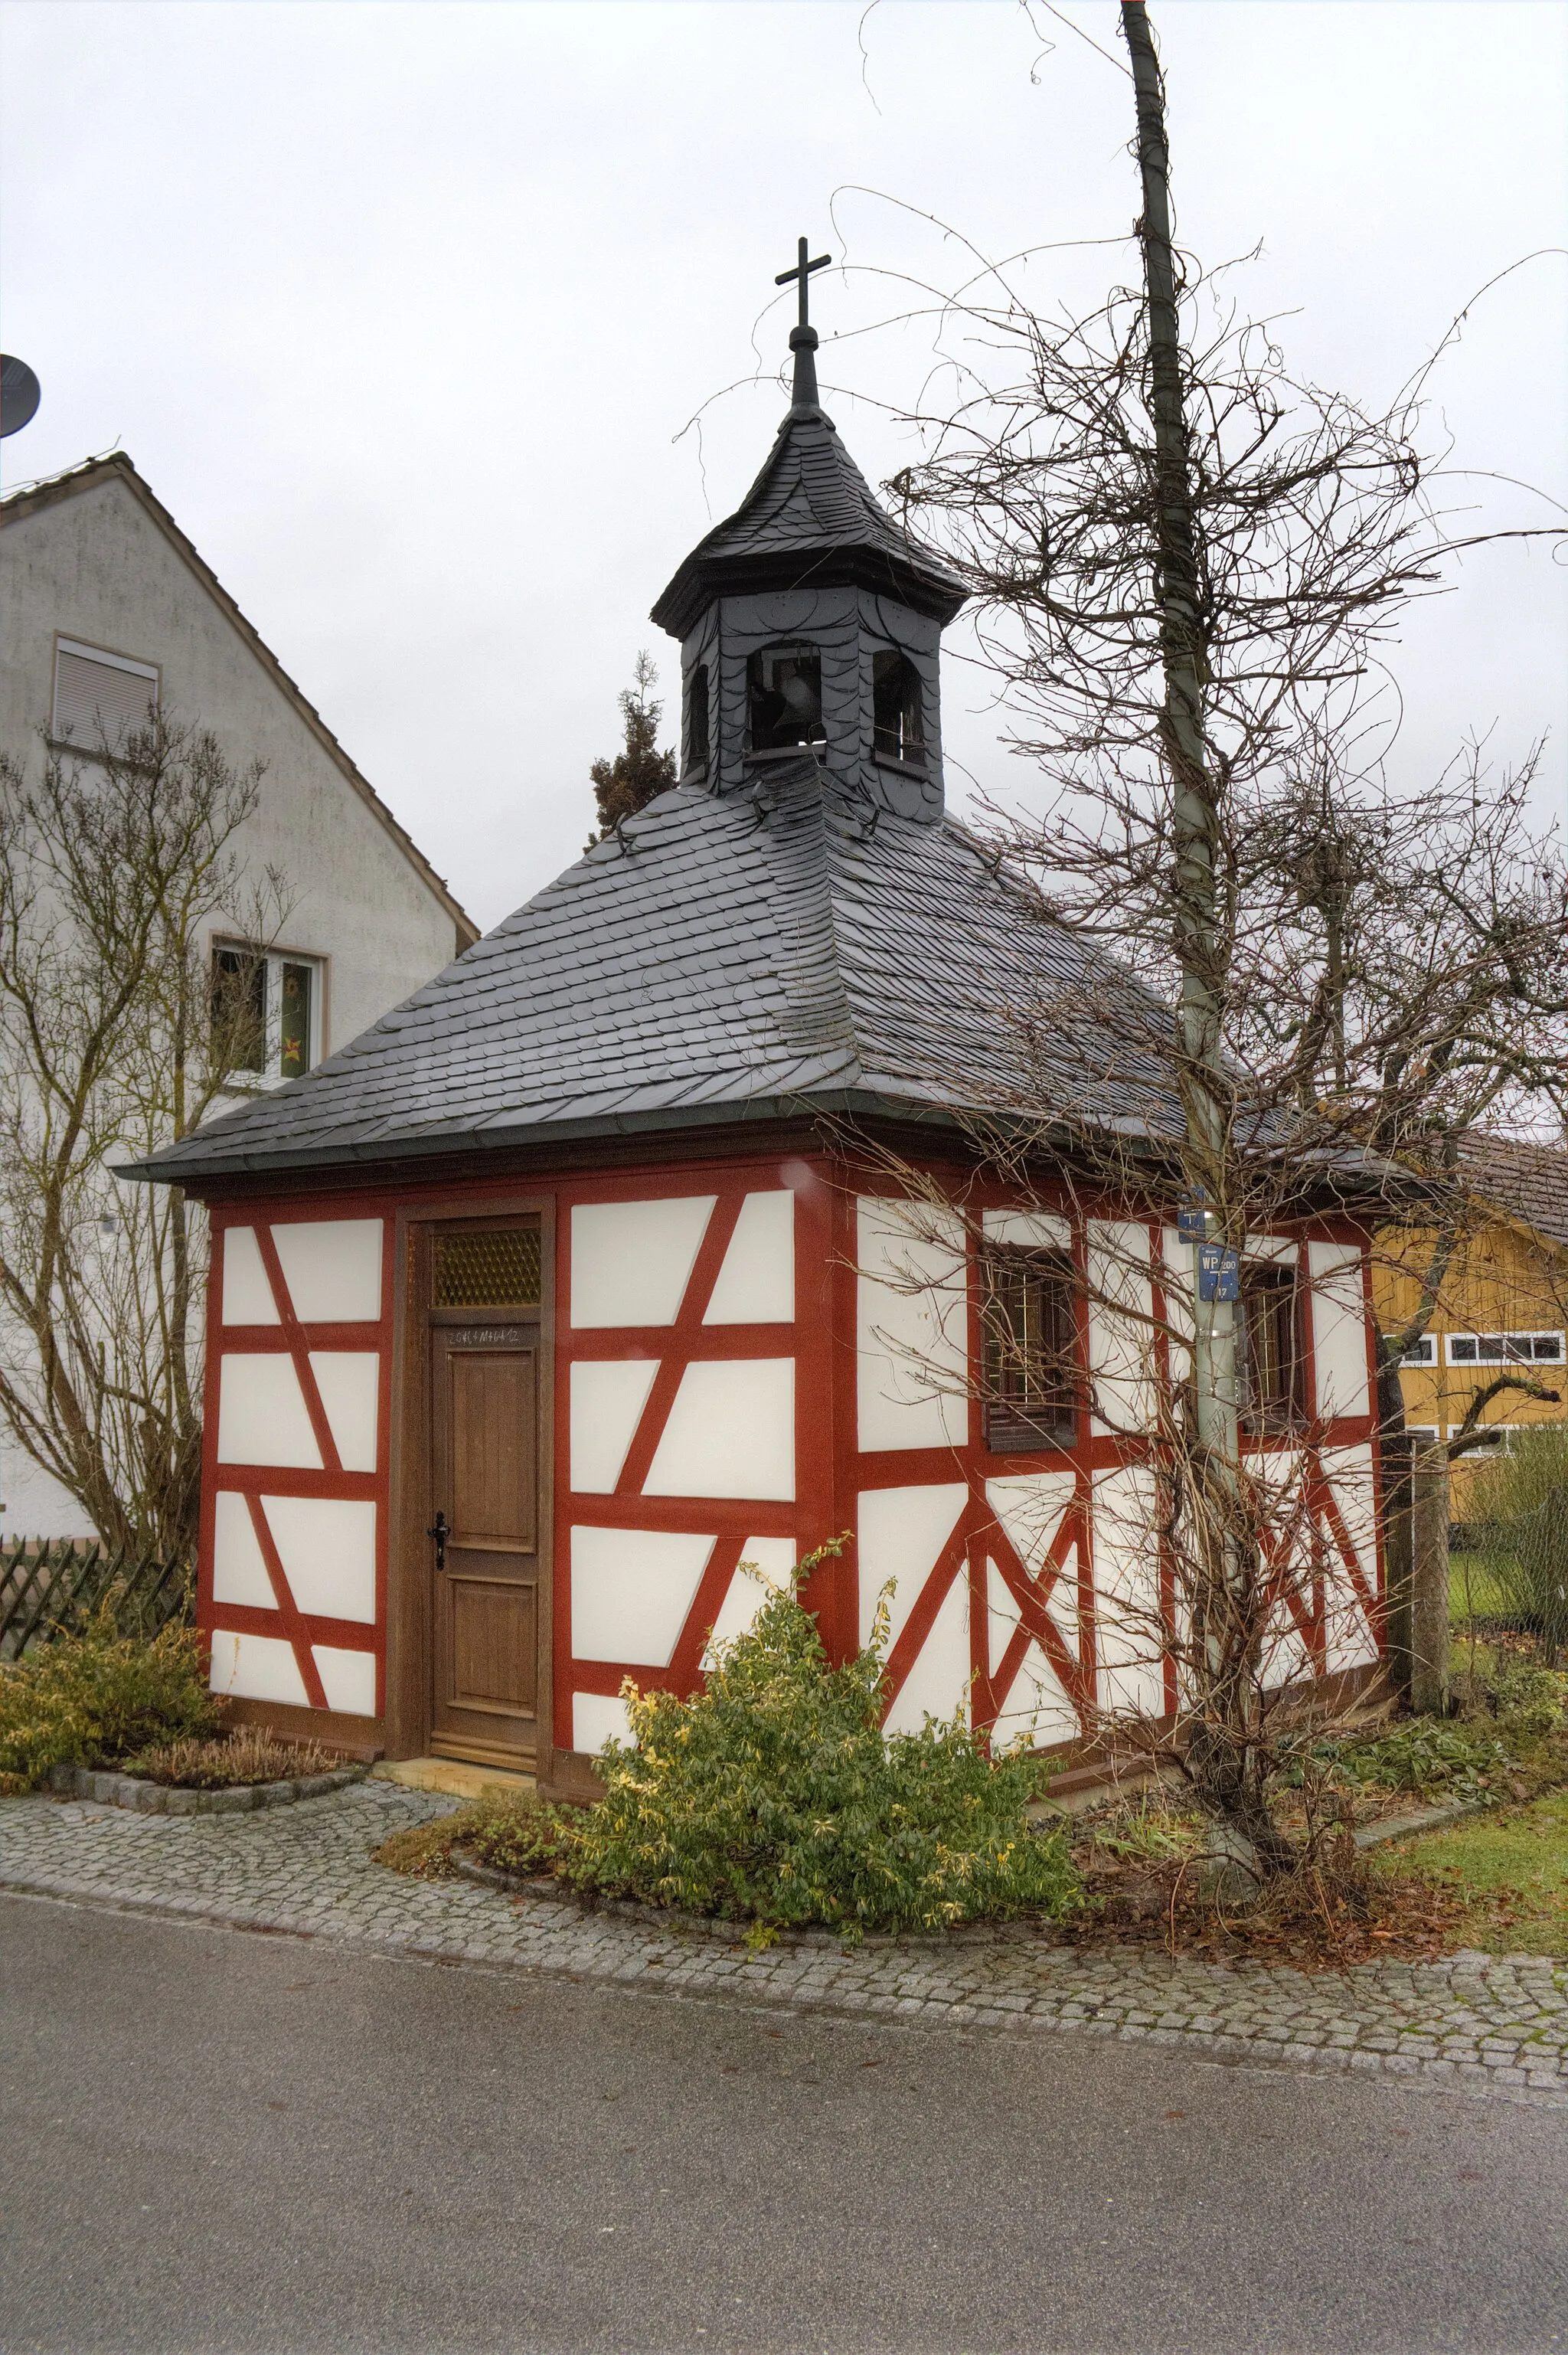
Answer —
(1478, 2020)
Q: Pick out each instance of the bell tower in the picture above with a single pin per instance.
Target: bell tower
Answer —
(810, 625)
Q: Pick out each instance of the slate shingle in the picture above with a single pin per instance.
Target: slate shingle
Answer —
(734, 964)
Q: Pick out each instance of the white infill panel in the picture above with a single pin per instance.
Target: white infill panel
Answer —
(333, 1268)
(262, 1414)
(938, 1683)
(607, 1401)
(1030, 1509)
(327, 1546)
(348, 1680)
(631, 1261)
(1127, 1592)
(1034, 1709)
(1349, 1639)
(1028, 1229)
(1178, 1278)
(631, 1589)
(1121, 1332)
(756, 1283)
(1339, 1328)
(731, 1432)
(900, 1534)
(256, 1668)
(912, 1317)
(766, 1566)
(598, 1717)
(349, 1383)
(247, 1295)
(1003, 1616)
(239, 1571)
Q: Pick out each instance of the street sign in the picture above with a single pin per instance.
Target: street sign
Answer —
(1219, 1272)
(1191, 1222)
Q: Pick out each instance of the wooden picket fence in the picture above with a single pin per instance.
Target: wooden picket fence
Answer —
(50, 1585)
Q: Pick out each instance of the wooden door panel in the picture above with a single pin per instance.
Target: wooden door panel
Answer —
(487, 1680)
(494, 1422)
(494, 1644)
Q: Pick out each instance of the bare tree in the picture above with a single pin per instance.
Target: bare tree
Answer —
(117, 1034)
(1186, 561)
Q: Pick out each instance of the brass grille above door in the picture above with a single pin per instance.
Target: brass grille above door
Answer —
(487, 1267)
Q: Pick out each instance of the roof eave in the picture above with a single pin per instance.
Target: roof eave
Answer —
(702, 579)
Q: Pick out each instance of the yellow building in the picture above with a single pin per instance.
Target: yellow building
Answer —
(1502, 1309)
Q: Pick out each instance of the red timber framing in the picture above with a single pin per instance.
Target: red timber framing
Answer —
(1050, 1600)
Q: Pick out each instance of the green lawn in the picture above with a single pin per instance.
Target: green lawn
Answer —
(1511, 1868)
(1472, 1590)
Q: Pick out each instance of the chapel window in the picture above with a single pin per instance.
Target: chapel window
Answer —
(697, 722)
(897, 731)
(266, 1011)
(1032, 1386)
(1273, 1359)
(784, 698)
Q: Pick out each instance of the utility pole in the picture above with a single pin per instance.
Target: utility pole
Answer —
(1196, 831)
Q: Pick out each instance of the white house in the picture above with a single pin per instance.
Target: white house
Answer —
(105, 604)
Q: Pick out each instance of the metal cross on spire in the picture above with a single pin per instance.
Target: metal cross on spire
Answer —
(803, 271)
(803, 336)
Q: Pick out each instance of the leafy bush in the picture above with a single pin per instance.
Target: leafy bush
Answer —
(513, 1834)
(1420, 1753)
(773, 1795)
(249, 1755)
(96, 1697)
(1522, 1500)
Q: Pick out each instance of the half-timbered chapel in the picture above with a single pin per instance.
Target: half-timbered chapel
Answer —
(581, 1278)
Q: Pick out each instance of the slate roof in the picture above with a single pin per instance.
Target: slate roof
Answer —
(810, 519)
(1528, 1181)
(755, 956)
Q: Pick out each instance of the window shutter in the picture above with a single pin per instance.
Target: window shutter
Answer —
(99, 694)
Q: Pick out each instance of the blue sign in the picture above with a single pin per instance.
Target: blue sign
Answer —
(1191, 1222)
(1219, 1272)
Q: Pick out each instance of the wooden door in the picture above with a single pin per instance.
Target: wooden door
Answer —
(486, 1619)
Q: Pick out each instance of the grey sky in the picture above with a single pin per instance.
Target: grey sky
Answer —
(399, 309)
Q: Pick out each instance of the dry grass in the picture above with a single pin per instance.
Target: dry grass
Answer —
(247, 1755)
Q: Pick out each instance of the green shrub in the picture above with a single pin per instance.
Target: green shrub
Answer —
(513, 1834)
(773, 1797)
(96, 1698)
(1418, 1753)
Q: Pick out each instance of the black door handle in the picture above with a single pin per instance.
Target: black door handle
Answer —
(440, 1532)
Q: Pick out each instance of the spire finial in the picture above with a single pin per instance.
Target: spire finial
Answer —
(803, 336)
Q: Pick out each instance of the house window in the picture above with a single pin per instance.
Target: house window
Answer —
(98, 696)
(1505, 1349)
(1032, 1388)
(1271, 1351)
(266, 1010)
(1422, 1435)
(1422, 1353)
(898, 733)
(784, 698)
(697, 722)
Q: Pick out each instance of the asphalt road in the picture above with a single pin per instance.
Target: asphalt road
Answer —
(216, 2141)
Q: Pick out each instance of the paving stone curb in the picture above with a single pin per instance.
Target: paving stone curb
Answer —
(732, 1932)
(1475, 2023)
(149, 1798)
